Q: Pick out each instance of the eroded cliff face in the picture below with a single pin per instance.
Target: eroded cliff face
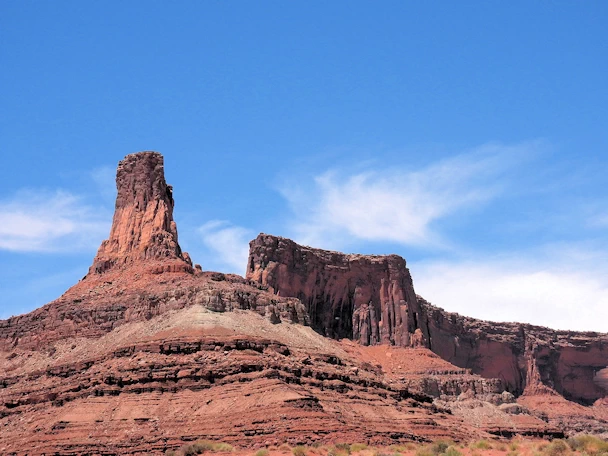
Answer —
(371, 299)
(143, 228)
(366, 298)
(529, 359)
(140, 272)
(146, 353)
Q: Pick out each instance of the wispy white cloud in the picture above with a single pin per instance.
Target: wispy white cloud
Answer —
(397, 204)
(566, 289)
(228, 245)
(50, 222)
(556, 285)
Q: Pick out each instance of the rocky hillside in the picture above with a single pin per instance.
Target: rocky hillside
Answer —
(371, 299)
(147, 352)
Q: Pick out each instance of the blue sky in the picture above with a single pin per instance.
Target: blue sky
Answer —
(469, 137)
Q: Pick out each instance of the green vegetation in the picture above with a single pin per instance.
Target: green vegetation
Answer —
(452, 451)
(299, 451)
(204, 446)
(589, 444)
(583, 445)
(481, 445)
(556, 448)
(339, 449)
(440, 447)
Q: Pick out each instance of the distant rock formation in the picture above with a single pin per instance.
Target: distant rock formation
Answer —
(371, 299)
(147, 354)
(143, 227)
(529, 359)
(367, 298)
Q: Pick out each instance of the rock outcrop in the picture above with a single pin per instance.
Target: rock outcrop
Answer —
(146, 353)
(529, 359)
(127, 281)
(188, 374)
(366, 298)
(371, 299)
(143, 228)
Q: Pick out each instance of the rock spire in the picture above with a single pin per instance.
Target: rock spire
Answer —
(143, 229)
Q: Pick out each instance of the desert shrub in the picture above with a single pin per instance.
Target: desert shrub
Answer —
(481, 445)
(589, 444)
(425, 451)
(224, 447)
(262, 452)
(299, 451)
(513, 446)
(403, 448)
(541, 447)
(557, 448)
(170, 453)
(344, 447)
(204, 446)
(440, 446)
(452, 451)
(189, 450)
(501, 447)
(358, 447)
(336, 450)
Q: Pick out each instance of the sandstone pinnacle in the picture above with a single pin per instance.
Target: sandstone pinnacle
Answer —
(143, 229)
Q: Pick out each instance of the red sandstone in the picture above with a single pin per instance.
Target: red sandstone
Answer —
(147, 353)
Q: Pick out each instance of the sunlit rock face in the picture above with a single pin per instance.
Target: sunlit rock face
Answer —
(529, 359)
(371, 299)
(143, 228)
(145, 354)
(367, 298)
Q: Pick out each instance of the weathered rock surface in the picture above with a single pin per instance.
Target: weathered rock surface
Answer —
(143, 227)
(192, 373)
(146, 353)
(371, 299)
(366, 298)
(102, 303)
(527, 358)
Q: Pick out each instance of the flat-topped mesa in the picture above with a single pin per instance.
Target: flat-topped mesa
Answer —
(367, 298)
(143, 228)
(371, 300)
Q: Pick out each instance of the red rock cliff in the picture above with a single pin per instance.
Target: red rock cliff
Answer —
(140, 272)
(529, 359)
(371, 299)
(143, 227)
(367, 298)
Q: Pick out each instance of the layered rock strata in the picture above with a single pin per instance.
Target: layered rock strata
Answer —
(367, 298)
(529, 359)
(145, 353)
(103, 303)
(371, 299)
(148, 387)
(140, 272)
